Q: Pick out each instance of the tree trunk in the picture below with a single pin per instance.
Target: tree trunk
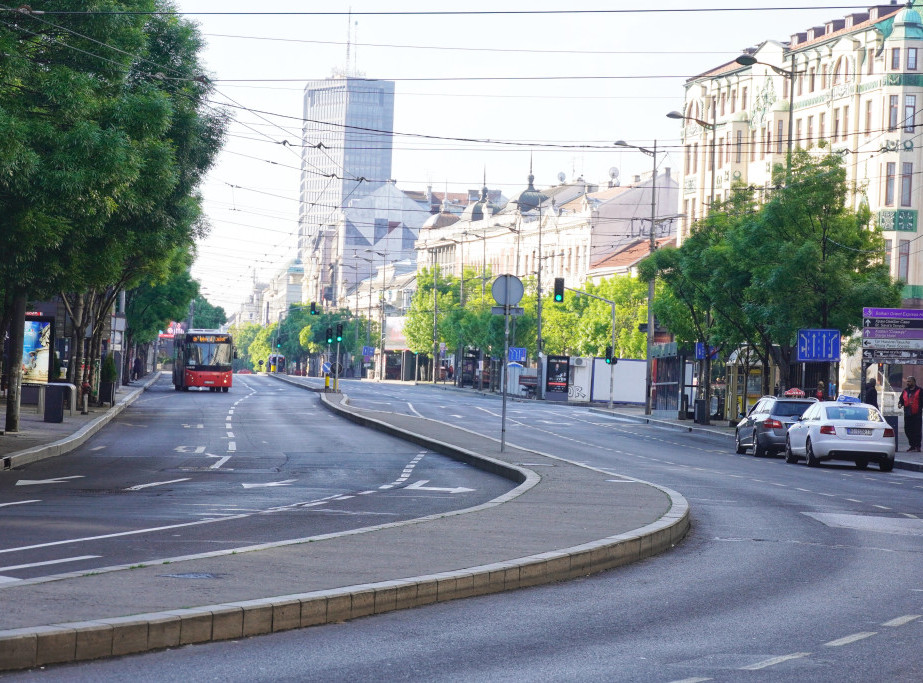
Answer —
(17, 334)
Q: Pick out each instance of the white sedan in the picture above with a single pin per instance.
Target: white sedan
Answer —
(830, 430)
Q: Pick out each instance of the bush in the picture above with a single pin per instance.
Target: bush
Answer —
(108, 372)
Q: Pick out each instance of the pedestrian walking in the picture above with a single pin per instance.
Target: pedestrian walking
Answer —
(910, 400)
(137, 368)
(871, 394)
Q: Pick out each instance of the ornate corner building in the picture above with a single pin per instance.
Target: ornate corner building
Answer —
(855, 82)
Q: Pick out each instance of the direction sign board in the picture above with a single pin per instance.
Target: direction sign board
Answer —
(909, 344)
(892, 356)
(819, 345)
(700, 351)
(517, 354)
(890, 333)
(892, 323)
(905, 313)
(368, 350)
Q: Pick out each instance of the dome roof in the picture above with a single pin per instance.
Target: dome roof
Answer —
(530, 198)
(477, 211)
(907, 24)
(908, 15)
(442, 219)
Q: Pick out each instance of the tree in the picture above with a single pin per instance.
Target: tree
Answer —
(206, 316)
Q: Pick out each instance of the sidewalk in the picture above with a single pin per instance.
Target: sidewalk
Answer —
(561, 521)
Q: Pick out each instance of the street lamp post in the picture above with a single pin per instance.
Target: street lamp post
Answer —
(749, 60)
(381, 313)
(713, 127)
(650, 284)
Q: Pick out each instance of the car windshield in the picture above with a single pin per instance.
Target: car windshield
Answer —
(790, 408)
(853, 413)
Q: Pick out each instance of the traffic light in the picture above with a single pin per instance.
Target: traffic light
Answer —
(313, 308)
(339, 332)
(558, 290)
(608, 355)
(329, 335)
(279, 341)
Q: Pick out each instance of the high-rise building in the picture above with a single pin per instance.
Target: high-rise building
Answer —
(346, 156)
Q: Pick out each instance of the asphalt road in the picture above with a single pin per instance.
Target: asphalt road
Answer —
(789, 573)
(185, 473)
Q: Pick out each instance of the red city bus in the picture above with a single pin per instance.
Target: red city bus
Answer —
(202, 358)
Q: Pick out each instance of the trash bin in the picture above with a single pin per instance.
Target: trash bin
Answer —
(701, 411)
(54, 403)
(892, 421)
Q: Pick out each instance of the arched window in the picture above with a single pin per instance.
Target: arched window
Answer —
(841, 71)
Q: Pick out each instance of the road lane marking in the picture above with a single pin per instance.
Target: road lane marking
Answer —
(19, 502)
(846, 640)
(774, 660)
(413, 410)
(221, 460)
(230, 435)
(186, 449)
(97, 448)
(285, 482)
(419, 486)
(232, 446)
(48, 562)
(901, 621)
(58, 480)
(155, 483)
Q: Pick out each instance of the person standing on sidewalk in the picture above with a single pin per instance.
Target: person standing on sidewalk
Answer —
(820, 394)
(910, 401)
(871, 394)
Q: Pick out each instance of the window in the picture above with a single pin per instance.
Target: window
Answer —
(695, 157)
(688, 164)
(903, 259)
(887, 258)
(812, 77)
(752, 145)
(911, 59)
(892, 112)
(868, 118)
(798, 133)
(890, 169)
(733, 100)
(895, 59)
(768, 145)
(823, 77)
(870, 61)
(765, 143)
(810, 131)
(779, 137)
(910, 112)
(721, 153)
(800, 83)
(727, 151)
(836, 125)
(845, 123)
(723, 102)
(740, 147)
(821, 126)
(906, 182)
(743, 98)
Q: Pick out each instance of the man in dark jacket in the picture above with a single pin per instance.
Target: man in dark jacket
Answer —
(871, 394)
(911, 400)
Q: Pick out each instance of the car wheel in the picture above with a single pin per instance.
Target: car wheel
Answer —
(809, 455)
(741, 449)
(758, 450)
(790, 457)
(225, 389)
(886, 465)
(862, 464)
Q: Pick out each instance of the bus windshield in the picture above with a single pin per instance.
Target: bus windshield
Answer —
(208, 351)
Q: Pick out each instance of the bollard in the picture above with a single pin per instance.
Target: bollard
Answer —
(326, 382)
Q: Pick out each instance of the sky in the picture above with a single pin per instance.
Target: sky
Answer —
(507, 84)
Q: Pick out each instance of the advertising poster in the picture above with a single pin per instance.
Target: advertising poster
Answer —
(557, 378)
(36, 351)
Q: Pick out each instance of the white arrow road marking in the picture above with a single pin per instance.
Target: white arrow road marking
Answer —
(271, 483)
(195, 426)
(46, 563)
(221, 460)
(155, 483)
(189, 449)
(19, 502)
(419, 486)
(57, 480)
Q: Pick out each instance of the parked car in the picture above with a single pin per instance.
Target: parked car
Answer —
(831, 430)
(765, 426)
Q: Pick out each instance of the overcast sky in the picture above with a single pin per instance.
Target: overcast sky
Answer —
(510, 78)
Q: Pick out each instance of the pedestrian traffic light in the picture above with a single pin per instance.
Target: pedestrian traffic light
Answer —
(608, 355)
(339, 332)
(329, 335)
(558, 290)
(313, 308)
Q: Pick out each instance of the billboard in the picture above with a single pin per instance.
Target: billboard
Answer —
(37, 349)
(173, 329)
(557, 378)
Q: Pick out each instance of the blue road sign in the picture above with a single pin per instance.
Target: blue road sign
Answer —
(700, 351)
(818, 345)
(517, 354)
(368, 350)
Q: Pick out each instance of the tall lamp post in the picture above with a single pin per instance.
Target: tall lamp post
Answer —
(652, 152)
(713, 127)
(749, 60)
(381, 313)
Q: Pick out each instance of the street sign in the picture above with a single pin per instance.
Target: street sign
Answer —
(507, 290)
(892, 355)
(517, 354)
(700, 351)
(818, 345)
(908, 344)
(891, 333)
(501, 310)
(906, 313)
(368, 350)
(893, 323)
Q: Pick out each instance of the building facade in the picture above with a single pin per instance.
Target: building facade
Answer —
(346, 152)
(856, 83)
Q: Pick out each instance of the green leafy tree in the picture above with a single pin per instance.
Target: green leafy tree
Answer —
(243, 335)
(207, 316)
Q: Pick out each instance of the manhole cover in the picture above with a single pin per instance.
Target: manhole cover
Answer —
(192, 575)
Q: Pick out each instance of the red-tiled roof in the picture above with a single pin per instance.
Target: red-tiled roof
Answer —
(632, 253)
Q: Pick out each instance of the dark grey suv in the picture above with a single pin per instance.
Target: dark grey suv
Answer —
(765, 426)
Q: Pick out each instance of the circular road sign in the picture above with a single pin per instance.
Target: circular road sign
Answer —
(507, 290)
